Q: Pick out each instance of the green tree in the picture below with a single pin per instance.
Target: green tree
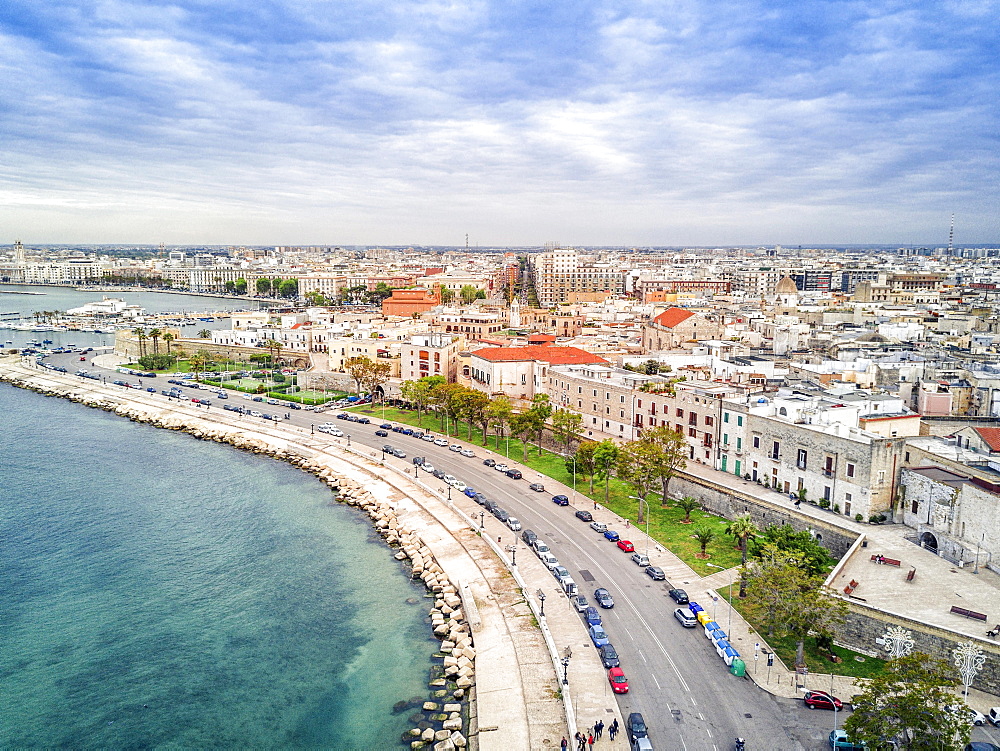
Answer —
(499, 414)
(668, 457)
(380, 293)
(140, 334)
(605, 460)
(375, 375)
(288, 288)
(704, 535)
(474, 404)
(316, 299)
(743, 529)
(522, 425)
(240, 286)
(584, 464)
(635, 466)
(155, 335)
(796, 545)
(787, 600)
(566, 426)
(447, 295)
(906, 703)
(539, 412)
(448, 398)
(198, 363)
(204, 334)
(168, 338)
(468, 293)
(359, 369)
(157, 362)
(263, 286)
(419, 393)
(230, 287)
(687, 504)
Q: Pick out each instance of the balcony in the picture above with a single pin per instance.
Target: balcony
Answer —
(828, 473)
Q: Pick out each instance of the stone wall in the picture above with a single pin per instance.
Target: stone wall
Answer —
(732, 503)
(866, 624)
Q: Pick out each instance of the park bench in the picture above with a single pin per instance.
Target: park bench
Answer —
(909, 576)
(968, 613)
(849, 589)
(887, 561)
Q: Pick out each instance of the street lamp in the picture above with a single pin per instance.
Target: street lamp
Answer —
(729, 625)
(512, 549)
(348, 441)
(567, 654)
(312, 431)
(482, 522)
(541, 599)
(642, 501)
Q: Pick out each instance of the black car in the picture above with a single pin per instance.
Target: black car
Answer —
(537, 487)
(603, 598)
(382, 433)
(387, 448)
(514, 474)
(340, 416)
(397, 428)
(418, 460)
(491, 506)
(584, 516)
(386, 426)
(635, 726)
(679, 596)
(609, 658)
(364, 421)
(529, 537)
(489, 462)
(439, 473)
(500, 514)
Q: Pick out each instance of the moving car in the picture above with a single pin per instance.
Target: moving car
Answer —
(560, 500)
(609, 657)
(603, 598)
(584, 516)
(821, 700)
(626, 545)
(598, 635)
(537, 487)
(679, 596)
(382, 433)
(619, 683)
(654, 573)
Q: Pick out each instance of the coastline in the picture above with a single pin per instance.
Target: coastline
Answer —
(488, 663)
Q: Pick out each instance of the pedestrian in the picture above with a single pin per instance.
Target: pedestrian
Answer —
(581, 741)
(499, 540)
(611, 732)
(614, 728)
(564, 744)
(626, 522)
(590, 741)
(599, 727)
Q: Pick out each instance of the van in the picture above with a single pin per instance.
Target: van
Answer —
(569, 587)
(529, 537)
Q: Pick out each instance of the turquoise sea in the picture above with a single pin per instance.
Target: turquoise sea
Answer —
(157, 591)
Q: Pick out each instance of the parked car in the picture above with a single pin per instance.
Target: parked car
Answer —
(611, 535)
(399, 454)
(528, 537)
(679, 596)
(609, 657)
(685, 617)
(603, 598)
(386, 426)
(440, 442)
(598, 635)
(500, 467)
(427, 467)
(599, 527)
(640, 560)
(439, 474)
(560, 500)
(584, 515)
(467, 452)
(560, 571)
(537, 487)
(626, 545)
(514, 474)
(539, 547)
(619, 683)
(635, 727)
(656, 574)
(427, 437)
(549, 560)
(580, 603)
(591, 615)
(821, 700)
(501, 514)
(513, 524)
(455, 447)
(489, 462)
(840, 742)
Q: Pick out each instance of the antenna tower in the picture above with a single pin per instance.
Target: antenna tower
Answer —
(951, 235)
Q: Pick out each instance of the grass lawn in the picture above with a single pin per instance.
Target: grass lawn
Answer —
(784, 647)
(664, 523)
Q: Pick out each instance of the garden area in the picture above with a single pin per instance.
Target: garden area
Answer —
(667, 525)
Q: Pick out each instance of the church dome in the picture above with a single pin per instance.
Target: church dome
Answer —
(786, 286)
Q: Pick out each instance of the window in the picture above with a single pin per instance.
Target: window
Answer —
(739, 420)
(800, 460)
(881, 477)
(850, 470)
(725, 417)
(708, 420)
(523, 379)
(640, 403)
(739, 444)
(775, 449)
(826, 493)
(692, 432)
(680, 412)
(725, 439)
(756, 441)
(913, 507)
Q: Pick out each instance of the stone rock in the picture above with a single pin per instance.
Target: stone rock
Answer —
(452, 707)
(464, 682)
(430, 706)
(427, 735)
(452, 725)
(440, 735)
(459, 740)
(445, 745)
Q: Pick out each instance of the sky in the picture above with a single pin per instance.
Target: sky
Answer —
(621, 123)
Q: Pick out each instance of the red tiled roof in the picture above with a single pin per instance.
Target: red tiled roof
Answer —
(545, 353)
(672, 316)
(991, 436)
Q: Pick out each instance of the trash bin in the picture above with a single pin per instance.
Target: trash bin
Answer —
(738, 668)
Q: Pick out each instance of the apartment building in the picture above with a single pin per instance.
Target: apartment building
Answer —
(522, 372)
(433, 354)
(561, 272)
(602, 395)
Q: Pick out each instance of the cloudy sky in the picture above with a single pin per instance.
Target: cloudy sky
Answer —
(589, 122)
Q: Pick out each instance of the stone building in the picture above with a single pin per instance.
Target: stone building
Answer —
(676, 326)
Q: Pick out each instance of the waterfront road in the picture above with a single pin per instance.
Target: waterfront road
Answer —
(678, 683)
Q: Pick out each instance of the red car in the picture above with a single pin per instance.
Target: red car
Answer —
(821, 700)
(619, 684)
(627, 546)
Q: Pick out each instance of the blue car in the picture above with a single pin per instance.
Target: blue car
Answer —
(560, 500)
(612, 535)
(470, 492)
(603, 598)
(598, 635)
(592, 616)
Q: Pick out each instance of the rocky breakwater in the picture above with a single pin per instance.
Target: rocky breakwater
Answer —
(442, 722)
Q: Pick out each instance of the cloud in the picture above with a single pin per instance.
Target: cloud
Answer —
(594, 122)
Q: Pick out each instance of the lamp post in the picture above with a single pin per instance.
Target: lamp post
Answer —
(541, 599)
(642, 501)
(567, 654)
(482, 521)
(312, 431)
(348, 441)
(512, 549)
(976, 569)
(729, 625)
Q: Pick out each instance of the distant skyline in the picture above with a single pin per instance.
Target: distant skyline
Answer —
(588, 123)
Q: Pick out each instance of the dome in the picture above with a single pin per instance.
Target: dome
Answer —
(786, 286)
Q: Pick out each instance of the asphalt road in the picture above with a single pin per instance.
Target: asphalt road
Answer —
(677, 681)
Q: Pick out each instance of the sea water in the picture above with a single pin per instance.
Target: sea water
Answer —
(160, 591)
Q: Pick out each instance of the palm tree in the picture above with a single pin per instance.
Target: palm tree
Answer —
(155, 335)
(704, 535)
(197, 363)
(743, 529)
(687, 504)
(168, 337)
(204, 334)
(140, 334)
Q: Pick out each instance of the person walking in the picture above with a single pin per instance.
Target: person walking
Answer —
(590, 741)
(614, 729)
(581, 741)
(599, 729)
(564, 744)
(611, 732)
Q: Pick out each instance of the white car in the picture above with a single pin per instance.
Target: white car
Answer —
(500, 467)
(467, 452)
(460, 486)
(427, 467)
(440, 442)
(450, 479)
(336, 431)
(514, 524)
(454, 447)
(427, 437)
(254, 413)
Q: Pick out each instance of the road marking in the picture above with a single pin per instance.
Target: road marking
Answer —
(656, 681)
(628, 632)
(642, 655)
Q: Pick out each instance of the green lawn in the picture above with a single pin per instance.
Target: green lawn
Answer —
(852, 663)
(664, 523)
